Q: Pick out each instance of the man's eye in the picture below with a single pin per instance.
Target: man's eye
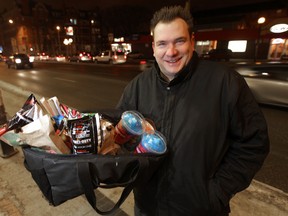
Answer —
(180, 41)
(161, 44)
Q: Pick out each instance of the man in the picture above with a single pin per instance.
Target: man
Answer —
(216, 134)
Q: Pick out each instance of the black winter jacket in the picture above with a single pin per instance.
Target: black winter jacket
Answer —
(216, 135)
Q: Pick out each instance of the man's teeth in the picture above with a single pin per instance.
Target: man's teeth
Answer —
(172, 61)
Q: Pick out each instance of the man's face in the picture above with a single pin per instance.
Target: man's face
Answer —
(172, 46)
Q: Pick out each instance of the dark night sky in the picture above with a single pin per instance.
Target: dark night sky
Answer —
(196, 5)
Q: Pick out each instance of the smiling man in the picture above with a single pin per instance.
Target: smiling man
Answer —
(216, 134)
(172, 46)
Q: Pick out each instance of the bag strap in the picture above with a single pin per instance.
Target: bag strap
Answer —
(86, 181)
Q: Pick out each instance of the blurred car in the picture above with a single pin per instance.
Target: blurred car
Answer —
(60, 58)
(2, 58)
(36, 57)
(218, 55)
(134, 55)
(52, 58)
(44, 57)
(85, 57)
(81, 57)
(267, 81)
(139, 59)
(73, 58)
(20, 60)
(110, 57)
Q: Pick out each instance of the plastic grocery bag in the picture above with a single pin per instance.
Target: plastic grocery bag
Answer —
(40, 133)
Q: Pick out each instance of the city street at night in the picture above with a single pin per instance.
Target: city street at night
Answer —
(66, 65)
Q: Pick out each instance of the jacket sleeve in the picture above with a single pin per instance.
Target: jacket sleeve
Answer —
(247, 139)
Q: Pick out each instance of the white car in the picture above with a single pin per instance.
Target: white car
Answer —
(60, 58)
(267, 81)
(110, 57)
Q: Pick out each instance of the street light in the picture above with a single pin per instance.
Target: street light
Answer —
(260, 21)
(67, 42)
(59, 43)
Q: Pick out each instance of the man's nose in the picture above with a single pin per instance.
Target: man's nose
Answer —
(171, 50)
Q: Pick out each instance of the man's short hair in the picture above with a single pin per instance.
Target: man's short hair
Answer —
(168, 14)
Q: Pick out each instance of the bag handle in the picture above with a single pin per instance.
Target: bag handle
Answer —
(86, 181)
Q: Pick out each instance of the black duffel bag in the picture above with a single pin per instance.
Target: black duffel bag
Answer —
(62, 177)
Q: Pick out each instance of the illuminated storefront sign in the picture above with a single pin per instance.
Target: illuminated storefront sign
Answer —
(279, 28)
(237, 45)
(277, 41)
(69, 31)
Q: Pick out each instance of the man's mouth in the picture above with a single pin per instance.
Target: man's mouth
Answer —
(171, 61)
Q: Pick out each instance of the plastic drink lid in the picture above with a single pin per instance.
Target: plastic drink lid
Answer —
(133, 122)
(154, 142)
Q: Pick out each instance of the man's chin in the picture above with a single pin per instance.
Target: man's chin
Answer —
(173, 69)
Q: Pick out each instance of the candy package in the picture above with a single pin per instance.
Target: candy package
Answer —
(29, 112)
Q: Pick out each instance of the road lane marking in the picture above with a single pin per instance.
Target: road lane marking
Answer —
(66, 80)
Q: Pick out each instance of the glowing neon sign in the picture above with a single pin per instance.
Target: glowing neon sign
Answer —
(279, 28)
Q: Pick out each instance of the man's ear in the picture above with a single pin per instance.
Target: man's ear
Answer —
(192, 40)
(153, 47)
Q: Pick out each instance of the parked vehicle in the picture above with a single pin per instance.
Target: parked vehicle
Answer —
(20, 60)
(267, 81)
(110, 57)
(218, 55)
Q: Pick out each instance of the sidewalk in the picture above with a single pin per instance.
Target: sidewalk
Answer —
(20, 196)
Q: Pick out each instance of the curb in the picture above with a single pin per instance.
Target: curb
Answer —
(260, 199)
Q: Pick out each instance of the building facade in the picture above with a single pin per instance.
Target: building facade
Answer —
(38, 28)
(32, 27)
(246, 30)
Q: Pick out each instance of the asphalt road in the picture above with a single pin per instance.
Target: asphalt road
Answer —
(90, 87)
(80, 85)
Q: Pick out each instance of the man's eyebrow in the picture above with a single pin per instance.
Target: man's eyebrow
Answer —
(160, 41)
(181, 38)
(176, 39)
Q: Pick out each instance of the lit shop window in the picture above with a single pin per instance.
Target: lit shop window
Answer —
(73, 21)
(237, 45)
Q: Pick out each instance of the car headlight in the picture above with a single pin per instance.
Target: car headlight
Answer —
(18, 61)
(31, 59)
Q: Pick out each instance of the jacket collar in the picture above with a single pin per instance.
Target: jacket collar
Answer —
(184, 74)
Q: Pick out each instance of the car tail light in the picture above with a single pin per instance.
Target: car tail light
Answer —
(142, 62)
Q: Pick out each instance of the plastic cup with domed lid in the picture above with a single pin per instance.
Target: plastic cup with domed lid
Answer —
(130, 125)
(152, 143)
